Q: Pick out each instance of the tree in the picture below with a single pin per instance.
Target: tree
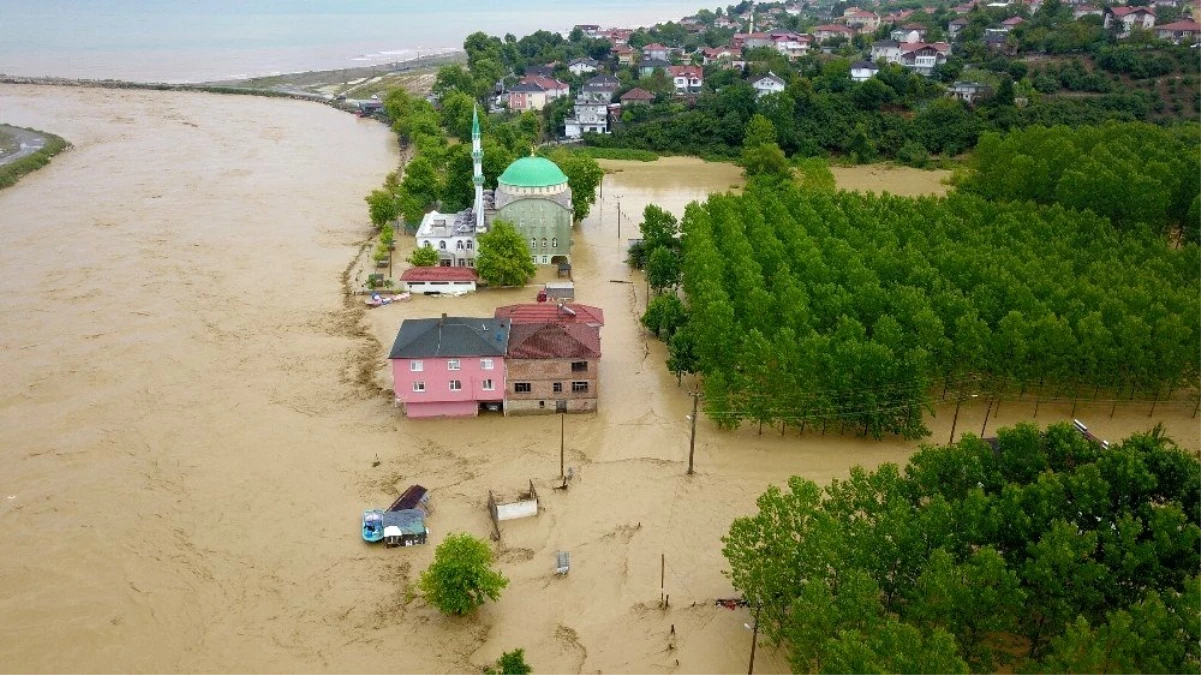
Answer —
(663, 268)
(423, 256)
(510, 663)
(584, 176)
(461, 577)
(504, 256)
(382, 207)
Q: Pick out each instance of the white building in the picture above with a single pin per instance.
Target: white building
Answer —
(863, 71)
(452, 235)
(591, 112)
(1130, 18)
(582, 65)
(768, 84)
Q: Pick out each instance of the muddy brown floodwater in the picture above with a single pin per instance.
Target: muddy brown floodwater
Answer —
(192, 418)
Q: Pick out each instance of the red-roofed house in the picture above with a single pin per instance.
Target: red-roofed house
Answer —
(655, 51)
(626, 55)
(725, 57)
(1180, 31)
(1013, 22)
(1130, 17)
(552, 367)
(439, 279)
(863, 21)
(549, 312)
(823, 33)
(687, 79)
(637, 97)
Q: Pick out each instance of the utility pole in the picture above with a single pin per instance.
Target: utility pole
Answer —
(754, 641)
(696, 399)
(562, 444)
(619, 219)
(986, 412)
(955, 420)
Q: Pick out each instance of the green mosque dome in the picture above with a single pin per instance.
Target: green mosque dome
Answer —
(532, 172)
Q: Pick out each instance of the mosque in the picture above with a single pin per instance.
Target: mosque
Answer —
(532, 194)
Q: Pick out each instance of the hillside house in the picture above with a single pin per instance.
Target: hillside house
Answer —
(553, 358)
(862, 21)
(588, 29)
(862, 71)
(922, 57)
(686, 79)
(768, 84)
(968, 92)
(954, 26)
(592, 107)
(1129, 18)
(1179, 32)
(1081, 11)
(533, 92)
(722, 57)
(655, 51)
(831, 30)
(582, 65)
(910, 32)
(625, 55)
(449, 367)
(637, 97)
(647, 67)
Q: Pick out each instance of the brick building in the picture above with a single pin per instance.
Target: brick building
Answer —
(553, 358)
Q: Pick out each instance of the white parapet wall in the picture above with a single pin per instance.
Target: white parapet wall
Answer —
(514, 510)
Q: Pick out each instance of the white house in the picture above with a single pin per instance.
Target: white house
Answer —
(1130, 18)
(655, 51)
(889, 50)
(687, 79)
(1185, 31)
(418, 280)
(768, 84)
(582, 65)
(452, 235)
(863, 71)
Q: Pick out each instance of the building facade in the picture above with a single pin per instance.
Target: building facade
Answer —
(449, 367)
(534, 196)
(553, 359)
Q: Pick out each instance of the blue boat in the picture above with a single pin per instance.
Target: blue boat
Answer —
(373, 525)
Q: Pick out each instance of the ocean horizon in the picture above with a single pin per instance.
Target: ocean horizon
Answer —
(183, 41)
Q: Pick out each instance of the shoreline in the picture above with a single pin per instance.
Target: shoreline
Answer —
(302, 85)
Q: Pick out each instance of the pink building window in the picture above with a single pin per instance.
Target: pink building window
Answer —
(456, 385)
(419, 387)
(452, 364)
(488, 386)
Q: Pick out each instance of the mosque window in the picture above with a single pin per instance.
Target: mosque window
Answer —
(544, 242)
(554, 243)
(442, 245)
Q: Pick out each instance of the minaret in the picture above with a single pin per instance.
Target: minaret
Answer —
(477, 159)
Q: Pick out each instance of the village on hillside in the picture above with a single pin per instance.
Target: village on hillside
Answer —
(627, 67)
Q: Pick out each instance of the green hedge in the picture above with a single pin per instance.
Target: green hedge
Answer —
(617, 153)
(11, 173)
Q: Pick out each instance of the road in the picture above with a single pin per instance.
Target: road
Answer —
(29, 141)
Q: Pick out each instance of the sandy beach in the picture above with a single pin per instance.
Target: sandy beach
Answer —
(192, 410)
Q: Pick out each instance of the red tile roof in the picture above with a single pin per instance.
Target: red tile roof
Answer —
(549, 312)
(439, 274)
(1185, 25)
(687, 71)
(655, 46)
(832, 28)
(637, 95)
(1123, 11)
(554, 341)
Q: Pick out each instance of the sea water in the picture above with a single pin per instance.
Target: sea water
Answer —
(192, 41)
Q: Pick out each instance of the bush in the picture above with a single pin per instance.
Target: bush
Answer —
(913, 153)
(13, 171)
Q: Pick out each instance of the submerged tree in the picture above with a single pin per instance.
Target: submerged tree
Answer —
(461, 577)
(504, 256)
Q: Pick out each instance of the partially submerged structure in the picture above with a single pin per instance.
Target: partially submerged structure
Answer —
(524, 505)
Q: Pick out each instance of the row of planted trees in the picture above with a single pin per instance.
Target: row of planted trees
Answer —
(809, 307)
(1040, 553)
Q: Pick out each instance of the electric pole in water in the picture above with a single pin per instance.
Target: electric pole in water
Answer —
(754, 641)
(696, 399)
(562, 445)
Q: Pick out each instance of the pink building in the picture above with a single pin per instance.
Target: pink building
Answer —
(450, 367)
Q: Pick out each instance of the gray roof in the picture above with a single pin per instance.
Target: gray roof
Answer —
(450, 337)
(654, 63)
(886, 43)
(603, 80)
(584, 60)
(859, 65)
(410, 521)
(526, 86)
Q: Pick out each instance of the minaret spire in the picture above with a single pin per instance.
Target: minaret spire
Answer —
(477, 160)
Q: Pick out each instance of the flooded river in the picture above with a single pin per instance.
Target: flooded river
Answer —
(192, 418)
